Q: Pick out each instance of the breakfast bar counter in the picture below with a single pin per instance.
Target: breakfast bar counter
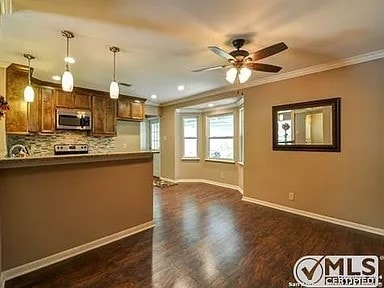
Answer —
(19, 162)
(55, 207)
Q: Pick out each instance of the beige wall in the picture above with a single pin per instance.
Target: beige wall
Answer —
(347, 185)
(128, 136)
(46, 210)
(3, 146)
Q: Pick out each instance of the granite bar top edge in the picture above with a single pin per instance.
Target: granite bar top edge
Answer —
(32, 161)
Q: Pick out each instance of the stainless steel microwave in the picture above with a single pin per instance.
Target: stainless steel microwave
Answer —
(73, 119)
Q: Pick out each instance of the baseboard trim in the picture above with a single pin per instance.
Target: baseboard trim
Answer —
(38, 264)
(225, 185)
(1, 280)
(333, 220)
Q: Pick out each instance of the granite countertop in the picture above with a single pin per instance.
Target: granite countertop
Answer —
(34, 161)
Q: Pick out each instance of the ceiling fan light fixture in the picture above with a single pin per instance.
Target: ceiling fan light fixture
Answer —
(114, 90)
(29, 93)
(67, 78)
(244, 74)
(231, 75)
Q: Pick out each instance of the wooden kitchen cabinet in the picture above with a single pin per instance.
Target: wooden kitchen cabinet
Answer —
(137, 110)
(23, 117)
(73, 100)
(81, 101)
(64, 99)
(103, 116)
(47, 109)
(128, 109)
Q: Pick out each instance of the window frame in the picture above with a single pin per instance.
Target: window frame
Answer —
(183, 157)
(150, 122)
(208, 138)
(241, 136)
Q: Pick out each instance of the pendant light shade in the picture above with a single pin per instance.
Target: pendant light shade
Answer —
(244, 74)
(114, 90)
(67, 79)
(29, 93)
(231, 75)
(114, 87)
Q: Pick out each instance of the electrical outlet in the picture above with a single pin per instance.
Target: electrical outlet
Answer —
(291, 196)
(222, 175)
(125, 145)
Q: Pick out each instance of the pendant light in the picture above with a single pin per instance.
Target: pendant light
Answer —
(67, 79)
(114, 87)
(29, 93)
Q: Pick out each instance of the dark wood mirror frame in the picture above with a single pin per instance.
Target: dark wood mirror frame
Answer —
(335, 145)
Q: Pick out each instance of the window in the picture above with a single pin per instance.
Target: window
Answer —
(220, 137)
(190, 125)
(155, 134)
(241, 135)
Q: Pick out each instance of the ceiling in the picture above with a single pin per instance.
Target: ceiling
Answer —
(163, 40)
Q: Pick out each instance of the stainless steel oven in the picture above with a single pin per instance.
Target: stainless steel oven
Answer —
(73, 119)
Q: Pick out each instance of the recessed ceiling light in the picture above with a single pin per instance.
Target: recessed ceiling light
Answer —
(56, 77)
(180, 87)
(210, 105)
(154, 96)
(69, 60)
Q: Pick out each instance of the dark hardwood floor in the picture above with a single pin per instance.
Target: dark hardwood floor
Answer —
(205, 236)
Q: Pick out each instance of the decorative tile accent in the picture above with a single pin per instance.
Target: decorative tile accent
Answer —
(42, 145)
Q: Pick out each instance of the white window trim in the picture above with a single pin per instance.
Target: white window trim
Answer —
(183, 157)
(241, 137)
(207, 138)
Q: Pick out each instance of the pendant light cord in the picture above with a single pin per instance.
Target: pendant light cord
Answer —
(29, 71)
(67, 64)
(114, 66)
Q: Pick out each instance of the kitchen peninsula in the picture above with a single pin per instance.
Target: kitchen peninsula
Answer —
(55, 207)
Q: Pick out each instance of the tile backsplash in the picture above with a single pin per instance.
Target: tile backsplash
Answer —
(42, 145)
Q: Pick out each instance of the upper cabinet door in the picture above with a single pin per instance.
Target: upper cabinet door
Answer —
(34, 112)
(137, 110)
(103, 116)
(47, 96)
(124, 108)
(64, 99)
(81, 101)
(16, 120)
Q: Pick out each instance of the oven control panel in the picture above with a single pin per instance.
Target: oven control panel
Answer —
(68, 149)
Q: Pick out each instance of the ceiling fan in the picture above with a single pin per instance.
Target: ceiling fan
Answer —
(243, 62)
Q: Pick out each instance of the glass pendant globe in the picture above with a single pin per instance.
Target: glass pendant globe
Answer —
(29, 94)
(244, 74)
(114, 90)
(67, 81)
(231, 75)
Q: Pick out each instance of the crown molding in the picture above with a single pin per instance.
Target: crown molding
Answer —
(371, 56)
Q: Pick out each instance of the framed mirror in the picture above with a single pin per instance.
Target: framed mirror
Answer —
(307, 126)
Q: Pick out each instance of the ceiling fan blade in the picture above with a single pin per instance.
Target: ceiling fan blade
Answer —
(125, 84)
(220, 52)
(211, 68)
(269, 51)
(263, 67)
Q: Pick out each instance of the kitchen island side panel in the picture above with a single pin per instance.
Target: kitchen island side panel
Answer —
(49, 209)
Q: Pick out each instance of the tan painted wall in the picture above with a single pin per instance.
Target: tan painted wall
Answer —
(46, 210)
(128, 136)
(348, 185)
